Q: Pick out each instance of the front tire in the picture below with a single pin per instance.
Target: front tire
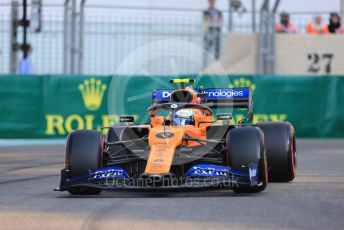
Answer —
(246, 146)
(84, 151)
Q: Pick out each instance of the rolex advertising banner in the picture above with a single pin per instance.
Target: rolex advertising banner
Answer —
(52, 106)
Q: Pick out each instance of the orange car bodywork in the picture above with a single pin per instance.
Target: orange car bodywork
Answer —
(163, 140)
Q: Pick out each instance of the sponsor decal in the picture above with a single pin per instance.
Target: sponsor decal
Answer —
(166, 94)
(207, 170)
(91, 95)
(164, 135)
(92, 92)
(57, 124)
(160, 143)
(109, 173)
(227, 93)
(162, 95)
(159, 160)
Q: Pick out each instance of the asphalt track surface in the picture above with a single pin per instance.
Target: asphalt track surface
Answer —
(315, 200)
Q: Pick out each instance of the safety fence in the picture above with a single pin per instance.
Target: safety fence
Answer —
(52, 106)
(113, 31)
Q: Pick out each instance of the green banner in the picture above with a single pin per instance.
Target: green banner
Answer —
(52, 106)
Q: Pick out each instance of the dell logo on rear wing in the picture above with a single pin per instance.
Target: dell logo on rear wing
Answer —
(163, 95)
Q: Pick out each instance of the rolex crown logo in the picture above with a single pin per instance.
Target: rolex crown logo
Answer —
(242, 82)
(92, 92)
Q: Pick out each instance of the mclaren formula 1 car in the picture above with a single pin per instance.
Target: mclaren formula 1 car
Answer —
(184, 146)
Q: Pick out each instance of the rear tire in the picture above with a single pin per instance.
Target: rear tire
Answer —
(280, 150)
(245, 146)
(84, 151)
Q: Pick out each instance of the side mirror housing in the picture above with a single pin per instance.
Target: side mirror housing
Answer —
(128, 119)
(224, 116)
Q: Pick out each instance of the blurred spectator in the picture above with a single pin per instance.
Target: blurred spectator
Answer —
(285, 26)
(25, 65)
(334, 26)
(213, 20)
(317, 26)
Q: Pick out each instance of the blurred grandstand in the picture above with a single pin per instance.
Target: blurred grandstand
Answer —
(92, 37)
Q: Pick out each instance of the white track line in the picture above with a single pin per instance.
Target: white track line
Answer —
(29, 142)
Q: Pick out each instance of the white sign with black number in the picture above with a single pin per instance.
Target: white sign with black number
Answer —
(302, 54)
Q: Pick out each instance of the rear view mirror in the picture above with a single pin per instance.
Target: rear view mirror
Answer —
(224, 116)
(128, 119)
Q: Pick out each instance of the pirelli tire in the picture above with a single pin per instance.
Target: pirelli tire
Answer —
(245, 146)
(84, 151)
(280, 150)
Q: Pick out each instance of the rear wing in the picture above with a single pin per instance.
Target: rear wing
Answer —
(235, 98)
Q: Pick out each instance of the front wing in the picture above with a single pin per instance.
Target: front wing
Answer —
(202, 178)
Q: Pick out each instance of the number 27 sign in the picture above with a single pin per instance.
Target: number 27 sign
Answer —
(320, 62)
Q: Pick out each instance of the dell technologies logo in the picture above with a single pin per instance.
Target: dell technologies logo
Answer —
(214, 93)
(226, 93)
(166, 94)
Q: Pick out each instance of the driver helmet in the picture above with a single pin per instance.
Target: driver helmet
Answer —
(184, 117)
